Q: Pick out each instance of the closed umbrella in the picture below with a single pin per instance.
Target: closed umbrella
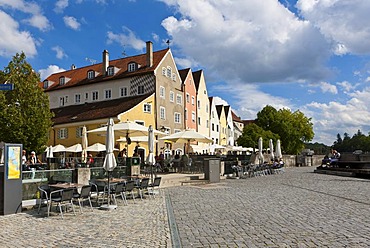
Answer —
(260, 147)
(49, 152)
(109, 160)
(271, 145)
(151, 159)
(84, 145)
(278, 150)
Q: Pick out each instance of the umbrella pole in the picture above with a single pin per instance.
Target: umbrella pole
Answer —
(108, 189)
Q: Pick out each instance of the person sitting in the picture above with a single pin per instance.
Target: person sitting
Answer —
(25, 163)
(34, 161)
(90, 160)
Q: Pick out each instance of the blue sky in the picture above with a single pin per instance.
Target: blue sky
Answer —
(307, 55)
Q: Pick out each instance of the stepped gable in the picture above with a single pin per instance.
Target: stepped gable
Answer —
(95, 110)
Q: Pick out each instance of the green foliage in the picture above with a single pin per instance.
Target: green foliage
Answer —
(251, 134)
(318, 148)
(293, 129)
(358, 141)
(24, 112)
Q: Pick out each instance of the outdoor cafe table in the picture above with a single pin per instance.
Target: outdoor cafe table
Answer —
(111, 180)
(66, 185)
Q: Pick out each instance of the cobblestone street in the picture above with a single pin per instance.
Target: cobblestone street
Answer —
(296, 209)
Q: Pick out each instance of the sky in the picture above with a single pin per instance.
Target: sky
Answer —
(306, 55)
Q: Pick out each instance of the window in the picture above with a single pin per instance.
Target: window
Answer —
(77, 98)
(86, 96)
(95, 95)
(140, 123)
(140, 89)
(164, 71)
(123, 91)
(79, 132)
(205, 92)
(187, 97)
(198, 104)
(193, 116)
(108, 94)
(90, 74)
(162, 113)
(179, 99)
(63, 133)
(131, 67)
(147, 108)
(162, 92)
(207, 123)
(177, 117)
(169, 71)
(217, 128)
(173, 76)
(192, 100)
(199, 121)
(110, 71)
(62, 80)
(61, 101)
(213, 127)
(213, 114)
(172, 96)
(186, 114)
(46, 84)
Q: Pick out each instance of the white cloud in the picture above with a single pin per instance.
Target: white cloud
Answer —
(71, 22)
(259, 41)
(59, 52)
(347, 86)
(343, 22)
(219, 101)
(60, 5)
(367, 79)
(332, 118)
(327, 87)
(127, 38)
(37, 18)
(44, 73)
(12, 40)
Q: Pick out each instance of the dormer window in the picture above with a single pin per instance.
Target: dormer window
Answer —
(62, 80)
(46, 84)
(110, 71)
(132, 67)
(91, 74)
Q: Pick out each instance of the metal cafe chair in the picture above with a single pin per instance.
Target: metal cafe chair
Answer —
(129, 189)
(143, 186)
(83, 196)
(65, 199)
(155, 185)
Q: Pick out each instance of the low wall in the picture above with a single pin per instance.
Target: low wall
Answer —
(291, 160)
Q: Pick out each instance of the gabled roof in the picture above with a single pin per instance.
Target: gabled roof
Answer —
(95, 110)
(235, 117)
(210, 100)
(184, 73)
(219, 110)
(78, 76)
(227, 108)
(196, 76)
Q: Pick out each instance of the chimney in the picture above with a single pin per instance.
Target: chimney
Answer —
(73, 67)
(149, 54)
(105, 62)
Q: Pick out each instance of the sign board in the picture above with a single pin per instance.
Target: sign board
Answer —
(6, 86)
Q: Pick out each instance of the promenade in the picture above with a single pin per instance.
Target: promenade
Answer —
(296, 209)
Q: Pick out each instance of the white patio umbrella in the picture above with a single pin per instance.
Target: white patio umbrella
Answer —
(136, 139)
(278, 150)
(84, 145)
(75, 148)
(109, 160)
(97, 147)
(214, 147)
(186, 137)
(260, 147)
(151, 159)
(59, 148)
(271, 145)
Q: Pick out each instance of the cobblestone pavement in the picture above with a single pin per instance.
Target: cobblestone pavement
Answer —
(143, 224)
(296, 209)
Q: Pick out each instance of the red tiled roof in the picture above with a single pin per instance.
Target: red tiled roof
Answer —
(95, 110)
(235, 117)
(78, 76)
(247, 122)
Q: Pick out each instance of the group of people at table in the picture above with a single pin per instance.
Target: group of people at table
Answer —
(31, 162)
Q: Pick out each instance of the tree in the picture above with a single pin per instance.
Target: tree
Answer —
(24, 112)
(293, 128)
(251, 134)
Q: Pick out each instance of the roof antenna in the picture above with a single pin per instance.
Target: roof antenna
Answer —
(168, 43)
(92, 61)
(123, 53)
